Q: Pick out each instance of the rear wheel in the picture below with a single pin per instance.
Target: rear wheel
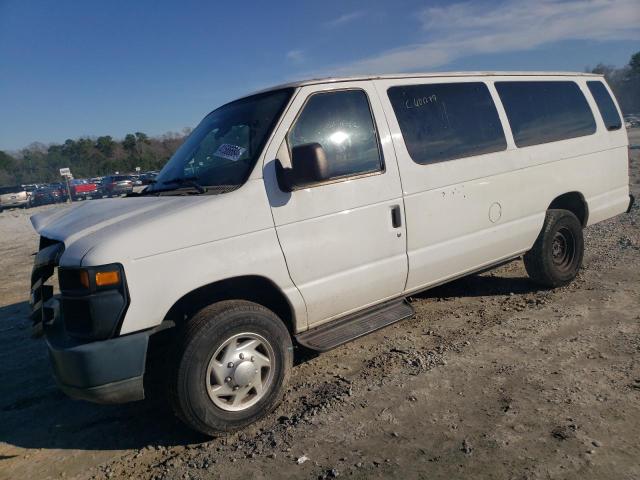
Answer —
(230, 365)
(557, 254)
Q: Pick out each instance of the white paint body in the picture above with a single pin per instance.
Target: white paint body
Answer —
(331, 249)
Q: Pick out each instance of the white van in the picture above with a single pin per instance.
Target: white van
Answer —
(306, 213)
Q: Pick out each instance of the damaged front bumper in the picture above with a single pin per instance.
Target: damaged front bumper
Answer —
(104, 371)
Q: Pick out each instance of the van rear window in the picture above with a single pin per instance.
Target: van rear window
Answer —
(607, 108)
(446, 121)
(545, 111)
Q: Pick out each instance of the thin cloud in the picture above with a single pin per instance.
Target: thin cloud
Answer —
(463, 29)
(344, 19)
(296, 56)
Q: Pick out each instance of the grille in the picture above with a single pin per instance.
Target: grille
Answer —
(43, 267)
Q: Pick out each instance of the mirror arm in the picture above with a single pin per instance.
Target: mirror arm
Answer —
(284, 177)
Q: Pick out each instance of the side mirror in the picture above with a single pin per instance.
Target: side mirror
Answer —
(308, 166)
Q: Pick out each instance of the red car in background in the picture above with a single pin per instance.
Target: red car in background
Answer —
(82, 189)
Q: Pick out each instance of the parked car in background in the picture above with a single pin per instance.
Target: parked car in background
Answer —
(82, 189)
(30, 188)
(148, 178)
(45, 195)
(61, 188)
(136, 180)
(116, 185)
(13, 197)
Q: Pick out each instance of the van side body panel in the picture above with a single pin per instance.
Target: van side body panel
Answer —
(466, 213)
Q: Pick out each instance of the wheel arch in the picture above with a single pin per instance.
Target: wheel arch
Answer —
(575, 203)
(253, 288)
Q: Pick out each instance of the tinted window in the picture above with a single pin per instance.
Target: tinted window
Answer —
(607, 108)
(446, 121)
(542, 112)
(342, 123)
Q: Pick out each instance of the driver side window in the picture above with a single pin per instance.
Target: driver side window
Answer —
(342, 123)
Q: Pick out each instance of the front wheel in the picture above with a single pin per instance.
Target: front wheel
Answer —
(230, 365)
(557, 254)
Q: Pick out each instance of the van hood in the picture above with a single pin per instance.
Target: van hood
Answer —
(69, 224)
(105, 231)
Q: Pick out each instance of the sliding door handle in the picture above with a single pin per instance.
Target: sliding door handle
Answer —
(396, 216)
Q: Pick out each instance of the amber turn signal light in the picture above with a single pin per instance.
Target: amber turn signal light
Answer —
(84, 278)
(104, 279)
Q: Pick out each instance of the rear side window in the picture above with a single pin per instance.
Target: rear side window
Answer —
(342, 123)
(446, 121)
(607, 108)
(545, 111)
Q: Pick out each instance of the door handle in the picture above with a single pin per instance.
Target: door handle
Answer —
(396, 216)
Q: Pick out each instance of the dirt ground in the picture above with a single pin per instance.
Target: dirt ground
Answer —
(492, 378)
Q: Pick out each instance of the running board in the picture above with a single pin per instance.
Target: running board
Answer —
(343, 330)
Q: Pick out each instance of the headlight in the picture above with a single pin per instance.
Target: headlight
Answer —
(90, 279)
(93, 300)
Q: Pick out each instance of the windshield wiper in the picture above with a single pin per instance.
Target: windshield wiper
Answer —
(188, 181)
(181, 182)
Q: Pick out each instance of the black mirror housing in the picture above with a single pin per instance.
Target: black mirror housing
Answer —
(309, 165)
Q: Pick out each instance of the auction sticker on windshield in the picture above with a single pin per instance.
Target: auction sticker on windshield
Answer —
(230, 152)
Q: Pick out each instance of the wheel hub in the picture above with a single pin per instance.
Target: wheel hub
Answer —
(240, 371)
(558, 247)
(563, 249)
(244, 373)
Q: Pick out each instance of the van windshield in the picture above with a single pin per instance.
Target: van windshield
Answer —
(221, 151)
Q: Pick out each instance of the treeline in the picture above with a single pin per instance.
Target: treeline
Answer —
(625, 82)
(88, 157)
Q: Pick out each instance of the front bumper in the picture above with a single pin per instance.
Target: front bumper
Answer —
(106, 371)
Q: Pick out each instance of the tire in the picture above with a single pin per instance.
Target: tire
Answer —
(557, 254)
(199, 395)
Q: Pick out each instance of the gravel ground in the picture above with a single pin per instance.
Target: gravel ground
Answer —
(491, 378)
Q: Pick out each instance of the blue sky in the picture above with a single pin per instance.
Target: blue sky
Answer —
(71, 69)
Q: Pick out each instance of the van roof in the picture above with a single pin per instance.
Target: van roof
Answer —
(316, 81)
